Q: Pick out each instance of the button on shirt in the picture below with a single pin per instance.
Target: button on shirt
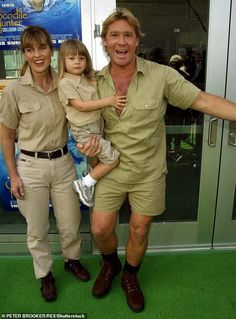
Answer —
(38, 115)
(139, 133)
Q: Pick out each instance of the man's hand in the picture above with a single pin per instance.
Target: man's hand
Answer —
(92, 147)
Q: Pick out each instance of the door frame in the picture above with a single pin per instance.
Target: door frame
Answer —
(225, 227)
(198, 234)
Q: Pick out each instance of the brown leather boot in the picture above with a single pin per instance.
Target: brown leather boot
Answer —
(104, 280)
(48, 289)
(134, 295)
(77, 269)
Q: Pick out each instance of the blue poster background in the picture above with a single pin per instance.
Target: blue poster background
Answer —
(62, 19)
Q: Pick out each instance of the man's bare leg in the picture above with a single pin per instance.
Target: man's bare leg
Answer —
(135, 250)
(138, 238)
(103, 229)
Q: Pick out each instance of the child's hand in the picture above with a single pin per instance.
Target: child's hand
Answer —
(119, 102)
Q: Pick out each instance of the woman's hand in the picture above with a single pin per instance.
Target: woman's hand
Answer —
(17, 188)
(8, 148)
(92, 147)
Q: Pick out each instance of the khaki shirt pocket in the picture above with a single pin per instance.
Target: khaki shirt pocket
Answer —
(146, 104)
(26, 107)
(148, 111)
(29, 113)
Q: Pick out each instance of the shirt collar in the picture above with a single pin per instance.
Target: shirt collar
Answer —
(105, 72)
(27, 78)
(72, 77)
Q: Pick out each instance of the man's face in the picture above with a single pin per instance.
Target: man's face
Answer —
(121, 43)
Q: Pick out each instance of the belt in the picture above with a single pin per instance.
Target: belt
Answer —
(47, 155)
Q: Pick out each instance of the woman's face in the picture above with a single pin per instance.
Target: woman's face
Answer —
(38, 58)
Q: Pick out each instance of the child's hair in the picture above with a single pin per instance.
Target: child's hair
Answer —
(74, 47)
(34, 35)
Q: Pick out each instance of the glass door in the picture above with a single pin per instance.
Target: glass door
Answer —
(188, 31)
(225, 222)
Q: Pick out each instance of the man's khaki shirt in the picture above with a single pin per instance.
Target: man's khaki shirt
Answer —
(139, 133)
(38, 116)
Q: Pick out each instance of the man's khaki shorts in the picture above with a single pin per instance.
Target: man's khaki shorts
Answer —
(146, 198)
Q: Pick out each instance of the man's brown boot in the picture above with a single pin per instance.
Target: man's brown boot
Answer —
(134, 295)
(104, 280)
(77, 269)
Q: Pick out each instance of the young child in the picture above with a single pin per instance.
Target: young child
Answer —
(78, 94)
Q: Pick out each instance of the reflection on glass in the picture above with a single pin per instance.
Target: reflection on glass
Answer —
(11, 62)
(176, 35)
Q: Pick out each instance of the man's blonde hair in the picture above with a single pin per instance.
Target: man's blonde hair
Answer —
(121, 14)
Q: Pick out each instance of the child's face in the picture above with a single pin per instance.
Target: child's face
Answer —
(75, 64)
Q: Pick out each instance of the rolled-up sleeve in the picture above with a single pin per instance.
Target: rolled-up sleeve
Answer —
(9, 112)
(67, 91)
(178, 91)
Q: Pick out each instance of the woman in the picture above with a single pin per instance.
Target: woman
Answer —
(44, 169)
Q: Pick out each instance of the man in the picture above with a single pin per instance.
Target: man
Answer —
(138, 133)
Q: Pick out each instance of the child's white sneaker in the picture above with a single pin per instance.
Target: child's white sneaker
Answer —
(85, 193)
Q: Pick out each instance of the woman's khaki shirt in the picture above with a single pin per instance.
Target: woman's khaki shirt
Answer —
(38, 116)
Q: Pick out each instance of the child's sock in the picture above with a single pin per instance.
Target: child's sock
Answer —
(89, 181)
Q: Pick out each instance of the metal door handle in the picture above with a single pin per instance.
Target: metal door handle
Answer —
(212, 133)
(232, 134)
(232, 139)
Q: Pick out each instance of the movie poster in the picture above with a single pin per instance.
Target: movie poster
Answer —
(62, 19)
